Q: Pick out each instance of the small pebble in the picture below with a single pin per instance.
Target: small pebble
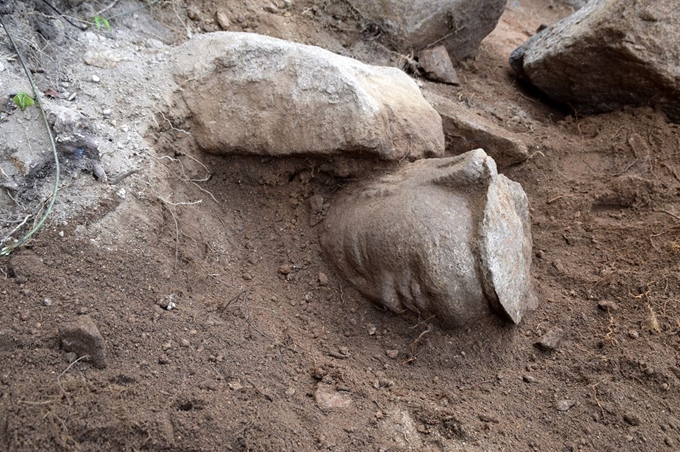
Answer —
(529, 379)
(184, 343)
(564, 405)
(393, 354)
(290, 392)
(608, 306)
(551, 340)
(631, 418)
(247, 276)
(633, 334)
(323, 279)
(95, 78)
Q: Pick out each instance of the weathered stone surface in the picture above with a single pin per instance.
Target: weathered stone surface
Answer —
(26, 266)
(466, 130)
(608, 54)
(551, 340)
(329, 399)
(431, 238)
(253, 94)
(83, 338)
(437, 66)
(460, 25)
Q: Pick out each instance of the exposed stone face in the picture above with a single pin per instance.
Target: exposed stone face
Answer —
(608, 54)
(84, 339)
(459, 25)
(444, 236)
(465, 130)
(252, 94)
(437, 65)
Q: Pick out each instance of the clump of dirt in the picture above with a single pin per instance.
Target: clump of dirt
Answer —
(225, 328)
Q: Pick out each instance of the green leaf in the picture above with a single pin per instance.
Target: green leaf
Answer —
(23, 100)
(99, 21)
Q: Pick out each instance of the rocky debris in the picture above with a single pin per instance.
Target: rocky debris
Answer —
(460, 25)
(632, 419)
(466, 130)
(580, 59)
(281, 98)
(329, 399)
(551, 340)
(564, 405)
(82, 337)
(26, 265)
(608, 306)
(437, 66)
(528, 379)
(392, 354)
(448, 236)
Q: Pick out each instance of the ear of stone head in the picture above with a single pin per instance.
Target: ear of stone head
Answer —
(472, 168)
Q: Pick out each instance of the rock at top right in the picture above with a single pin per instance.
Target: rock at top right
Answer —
(608, 54)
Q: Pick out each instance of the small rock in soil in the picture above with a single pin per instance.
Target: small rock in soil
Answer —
(437, 65)
(290, 392)
(551, 340)
(487, 418)
(608, 306)
(633, 334)
(328, 399)
(247, 276)
(223, 20)
(323, 279)
(83, 338)
(564, 405)
(529, 379)
(392, 353)
(631, 418)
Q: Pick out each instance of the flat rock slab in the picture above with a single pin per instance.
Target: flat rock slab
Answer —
(608, 54)
(83, 338)
(252, 94)
(466, 130)
(459, 25)
(447, 236)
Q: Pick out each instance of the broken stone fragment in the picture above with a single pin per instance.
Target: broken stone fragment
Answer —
(329, 399)
(437, 66)
(446, 236)
(82, 337)
(250, 94)
(460, 25)
(608, 54)
(550, 341)
(466, 130)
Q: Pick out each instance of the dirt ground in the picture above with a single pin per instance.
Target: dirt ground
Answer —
(262, 324)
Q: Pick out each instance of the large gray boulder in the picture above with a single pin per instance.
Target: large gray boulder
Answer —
(252, 94)
(608, 54)
(460, 25)
(447, 236)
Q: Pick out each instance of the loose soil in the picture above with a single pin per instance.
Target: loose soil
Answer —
(262, 323)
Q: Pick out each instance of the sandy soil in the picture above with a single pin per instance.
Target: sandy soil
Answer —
(263, 327)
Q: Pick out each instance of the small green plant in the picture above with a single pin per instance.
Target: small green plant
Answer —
(100, 21)
(23, 100)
